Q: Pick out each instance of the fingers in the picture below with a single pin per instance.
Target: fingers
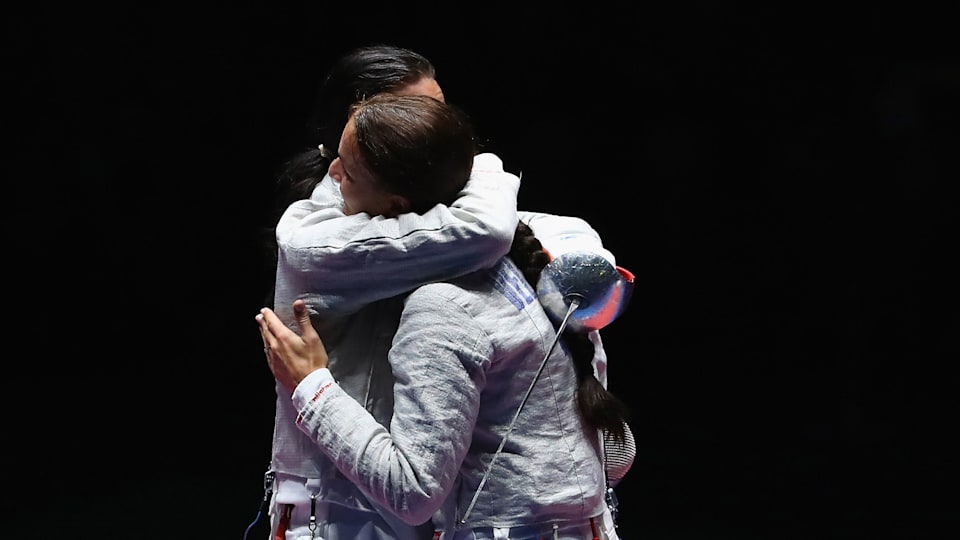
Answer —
(303, 319)
(270, 341)
(268, 322)
(269, 316)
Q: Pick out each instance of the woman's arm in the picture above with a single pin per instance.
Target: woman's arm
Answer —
(562, 234)
(410, 469)
(340, 263)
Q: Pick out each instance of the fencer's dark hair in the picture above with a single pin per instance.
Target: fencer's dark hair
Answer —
(599, 407)
(360, 73)
(415, 146)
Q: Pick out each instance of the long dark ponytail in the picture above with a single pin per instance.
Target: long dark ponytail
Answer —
(598, 406)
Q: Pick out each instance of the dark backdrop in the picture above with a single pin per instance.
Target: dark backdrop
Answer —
(780, 180)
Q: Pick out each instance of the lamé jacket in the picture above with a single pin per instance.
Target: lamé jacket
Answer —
(465, 355)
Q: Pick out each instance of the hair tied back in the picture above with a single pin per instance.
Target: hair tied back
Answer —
(326, 152)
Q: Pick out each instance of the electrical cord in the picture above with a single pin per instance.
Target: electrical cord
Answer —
(267, 492)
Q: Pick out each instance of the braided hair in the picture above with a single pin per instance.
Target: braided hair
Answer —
(597, 405)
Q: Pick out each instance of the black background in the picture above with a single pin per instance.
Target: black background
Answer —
(781, 180)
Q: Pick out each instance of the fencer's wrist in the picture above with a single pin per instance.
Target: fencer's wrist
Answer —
(309, 388)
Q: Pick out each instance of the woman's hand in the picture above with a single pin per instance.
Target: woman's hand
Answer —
(291, 357)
